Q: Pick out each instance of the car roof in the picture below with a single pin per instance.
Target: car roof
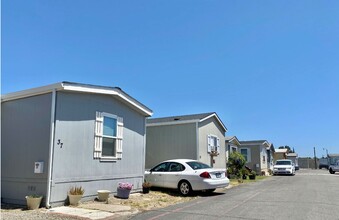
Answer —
(284, 160)
(180, 160)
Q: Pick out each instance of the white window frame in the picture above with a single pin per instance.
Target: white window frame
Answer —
(209, 144)
(99, 123)
(248, 157)
(264, 155)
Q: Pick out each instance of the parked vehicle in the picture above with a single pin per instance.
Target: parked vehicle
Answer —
(186, 175)
(323, 163)
(334, 168)
(284, 167)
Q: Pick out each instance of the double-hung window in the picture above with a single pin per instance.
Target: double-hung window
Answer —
(246, 153)
(213, 144)
(108, 136)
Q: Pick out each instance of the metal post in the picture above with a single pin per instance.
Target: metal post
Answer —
(315, 159)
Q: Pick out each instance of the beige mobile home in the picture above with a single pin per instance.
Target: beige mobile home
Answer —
(258, 155)
(232, 144)
(199, 136)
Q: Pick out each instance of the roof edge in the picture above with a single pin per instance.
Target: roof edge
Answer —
(218, 119)
(77, 87)
(31, 92)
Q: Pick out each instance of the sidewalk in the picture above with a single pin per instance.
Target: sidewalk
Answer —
(94, 211)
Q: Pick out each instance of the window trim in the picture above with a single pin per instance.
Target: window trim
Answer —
(209, 146)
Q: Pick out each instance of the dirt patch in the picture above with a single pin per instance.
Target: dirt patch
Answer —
(152, 200)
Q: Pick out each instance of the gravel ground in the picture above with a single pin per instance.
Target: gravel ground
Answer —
(10, 212)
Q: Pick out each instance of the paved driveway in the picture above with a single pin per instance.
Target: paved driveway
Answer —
(310, 194)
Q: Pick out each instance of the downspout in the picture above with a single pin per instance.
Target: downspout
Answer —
(51, 149)
(197, 140)
(145, 150)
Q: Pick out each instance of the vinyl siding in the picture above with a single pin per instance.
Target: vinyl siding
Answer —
(25, 135)
(170, 142)
(208, 127)
(74, 163)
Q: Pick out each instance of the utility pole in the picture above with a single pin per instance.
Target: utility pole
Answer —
(328, 162)
(315, 159)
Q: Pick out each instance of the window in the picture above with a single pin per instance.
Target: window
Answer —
(213, 144)
(246, 153)
(263, 159)
(163, 167)
(283, 162)
(108, 136)
(234, 149)
(176, 167)
(198, 165)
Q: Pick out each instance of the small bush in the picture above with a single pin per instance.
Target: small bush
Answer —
(235, 164)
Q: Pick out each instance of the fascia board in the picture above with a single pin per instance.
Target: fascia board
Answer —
(31, 92)
(235, 140)
(171, 123)
(114, 92)
(76, 88)
(216, 116)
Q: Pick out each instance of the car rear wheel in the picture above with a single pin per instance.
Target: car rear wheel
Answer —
(185, 188)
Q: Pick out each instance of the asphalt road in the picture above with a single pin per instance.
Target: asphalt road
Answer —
(310, 194)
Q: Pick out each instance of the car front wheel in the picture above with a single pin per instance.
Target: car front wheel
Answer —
(331, 171)
(185, 188)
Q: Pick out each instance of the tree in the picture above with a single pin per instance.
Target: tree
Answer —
(286, 147)
(235, 164)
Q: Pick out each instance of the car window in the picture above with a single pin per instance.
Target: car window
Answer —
(163, 167)
(197, 165)
(176, 167)
(283, 162)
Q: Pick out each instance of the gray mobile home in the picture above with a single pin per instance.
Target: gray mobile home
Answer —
(69, 134)
(199, 137)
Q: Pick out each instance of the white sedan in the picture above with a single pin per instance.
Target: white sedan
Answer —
(284, 167)
(186, 176)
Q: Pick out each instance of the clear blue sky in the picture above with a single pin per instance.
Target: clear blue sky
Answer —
(270, 69)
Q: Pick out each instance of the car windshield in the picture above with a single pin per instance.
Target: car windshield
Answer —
(283, 162)
(197, 165)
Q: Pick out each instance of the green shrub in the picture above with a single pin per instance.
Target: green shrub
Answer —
(235, 164)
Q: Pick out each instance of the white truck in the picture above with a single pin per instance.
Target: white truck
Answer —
(334, 167)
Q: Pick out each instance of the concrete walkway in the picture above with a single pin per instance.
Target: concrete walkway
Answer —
(94, 211)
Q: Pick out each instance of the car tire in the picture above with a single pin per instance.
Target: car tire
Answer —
(331, 171)
(184, 188)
